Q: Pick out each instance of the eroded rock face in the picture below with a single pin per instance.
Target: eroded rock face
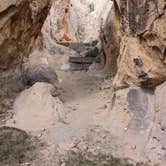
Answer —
(110, 38)
(139, 117)
(134, 44)
(73, 21)
(142, 44)
(20, 24)
(156, 147)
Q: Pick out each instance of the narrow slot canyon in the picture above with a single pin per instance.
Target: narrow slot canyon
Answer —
(82, 83)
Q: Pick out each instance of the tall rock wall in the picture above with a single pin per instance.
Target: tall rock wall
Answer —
(73, 21)
(20, 24)
(141, 45)
(110, 38)
(134, 40)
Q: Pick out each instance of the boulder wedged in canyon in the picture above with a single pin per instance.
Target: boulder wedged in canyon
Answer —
(39, 68)
(140, 28)
(20, 24)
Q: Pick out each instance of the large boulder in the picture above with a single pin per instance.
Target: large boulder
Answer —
(36, 108)
(134, 48)
(39, 68)
(20, 24)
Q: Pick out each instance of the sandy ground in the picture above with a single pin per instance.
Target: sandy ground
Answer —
(87, 103)
(84, 100)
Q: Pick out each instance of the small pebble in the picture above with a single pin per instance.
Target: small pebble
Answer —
(63, 164)
(125, 128)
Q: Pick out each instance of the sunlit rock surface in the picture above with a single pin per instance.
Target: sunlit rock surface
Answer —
(20, 24)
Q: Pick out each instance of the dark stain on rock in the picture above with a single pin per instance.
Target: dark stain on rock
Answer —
(113, 101)
(134, 15)
(141, 74)
(143, 15)
(123, 15)
(138, 105)
(133, 10)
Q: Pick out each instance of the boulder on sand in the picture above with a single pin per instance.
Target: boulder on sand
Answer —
(36, 109)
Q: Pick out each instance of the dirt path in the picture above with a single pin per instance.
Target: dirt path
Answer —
(85, 102)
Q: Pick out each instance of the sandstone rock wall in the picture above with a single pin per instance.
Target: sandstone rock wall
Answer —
(134, 46)
(73, 21)
(110, 38)
(142, 45)
(20, 24)
(139, 116)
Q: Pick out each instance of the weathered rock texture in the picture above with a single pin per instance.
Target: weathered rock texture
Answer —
(40, 108)
(110, 38)
(20, 24)
(73, 21)
(140, 26)
(39, 68)
(156, 147)
(134, 46)
(139, 117)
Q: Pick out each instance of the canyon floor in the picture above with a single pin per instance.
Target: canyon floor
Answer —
(82, 83)
(79, 139)
(79, 135)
